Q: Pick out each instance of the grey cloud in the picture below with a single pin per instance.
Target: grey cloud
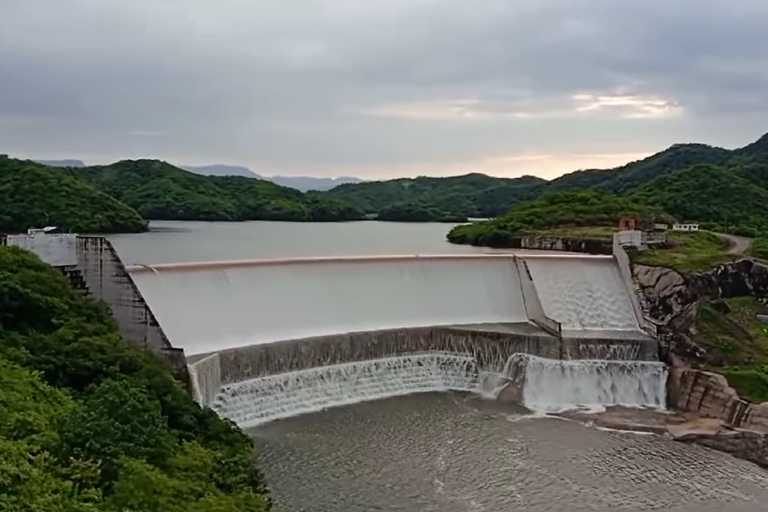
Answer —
(285, 84)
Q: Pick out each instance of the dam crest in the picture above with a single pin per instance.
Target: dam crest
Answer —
(269, 339)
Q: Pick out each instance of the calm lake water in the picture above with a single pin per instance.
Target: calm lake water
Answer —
(448, 452)
(172, 241)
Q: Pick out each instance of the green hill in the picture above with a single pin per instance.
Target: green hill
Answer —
(477, 195)
(158, 190)
(574, 209)
(725, 190)
(424, 198)
(721, 196)
(627, 178)
(33, 195)
(91, 423)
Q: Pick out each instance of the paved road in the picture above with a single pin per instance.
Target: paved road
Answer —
(738, 244)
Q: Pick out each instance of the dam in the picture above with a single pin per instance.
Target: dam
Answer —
(397, 397)
(274, 338)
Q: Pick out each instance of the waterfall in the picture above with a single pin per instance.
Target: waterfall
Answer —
(253, 402)
(555, 385)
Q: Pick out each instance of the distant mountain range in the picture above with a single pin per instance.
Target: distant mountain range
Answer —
(721, 188)
(61, 163)
(303, 183)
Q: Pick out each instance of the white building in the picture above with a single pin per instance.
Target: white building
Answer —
(685, 226)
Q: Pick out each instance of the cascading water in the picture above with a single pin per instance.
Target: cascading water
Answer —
(253, 402)
(583, 294)
(554, 385)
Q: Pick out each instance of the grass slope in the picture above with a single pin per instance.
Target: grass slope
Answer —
(737, 344)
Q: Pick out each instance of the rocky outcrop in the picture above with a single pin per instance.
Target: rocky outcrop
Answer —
(744, 444)
(706, 394)
(672, 301)
(669, 293)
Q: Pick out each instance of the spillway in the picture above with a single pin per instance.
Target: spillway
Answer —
(583, 294)
(217, 308)
(555, 385)
(278, 338)
(547, 385)
(256, 401)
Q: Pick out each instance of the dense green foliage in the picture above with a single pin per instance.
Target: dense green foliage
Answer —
(91, 423)
(633, 175)
(158, 190)
(737, 344)
(33, 195)
(724, 190)
(556, 209)
(759, 248)
(439, 199)
(718, 195)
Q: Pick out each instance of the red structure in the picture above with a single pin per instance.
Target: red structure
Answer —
(627, 224)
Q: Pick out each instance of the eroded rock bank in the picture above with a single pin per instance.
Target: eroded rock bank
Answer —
(673, 300)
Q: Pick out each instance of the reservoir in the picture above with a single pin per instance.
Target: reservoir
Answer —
(451, 451)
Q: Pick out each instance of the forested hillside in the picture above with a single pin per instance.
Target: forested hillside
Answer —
(723, 189)
(89, 423)
(424, 198)
(33, 195)
(591, 208)
(665, 178)
(158, 190)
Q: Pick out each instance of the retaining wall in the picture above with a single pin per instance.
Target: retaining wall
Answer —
(107, 280)
(532, 302)
(625, 270)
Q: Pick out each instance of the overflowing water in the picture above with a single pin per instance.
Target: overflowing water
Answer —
(583, 293)
(253, 402)
(549, 385)
(428, 452)
(214, 309)
(555, 385)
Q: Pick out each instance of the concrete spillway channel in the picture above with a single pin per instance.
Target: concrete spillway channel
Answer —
(273, 338)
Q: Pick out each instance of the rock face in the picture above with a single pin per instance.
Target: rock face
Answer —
(672, 300)
(708, 394)
(744, 444)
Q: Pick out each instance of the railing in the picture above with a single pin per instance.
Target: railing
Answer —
(206, 265)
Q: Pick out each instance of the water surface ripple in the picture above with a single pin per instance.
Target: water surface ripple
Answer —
(453, 452)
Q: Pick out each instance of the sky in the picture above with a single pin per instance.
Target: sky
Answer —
(380, 88)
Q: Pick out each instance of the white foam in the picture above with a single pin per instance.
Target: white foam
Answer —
(213, 309)
(555, 386)
(257, 401)
(583, 293)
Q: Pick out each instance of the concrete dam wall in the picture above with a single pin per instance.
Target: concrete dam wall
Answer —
(220, 305)
(274, 338)
(214, 308)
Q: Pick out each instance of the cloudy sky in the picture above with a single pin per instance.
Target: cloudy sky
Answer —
(380, 88)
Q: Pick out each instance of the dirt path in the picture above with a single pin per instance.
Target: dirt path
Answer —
(738, 244)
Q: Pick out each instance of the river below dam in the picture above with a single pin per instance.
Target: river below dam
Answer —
(448, 452)
(454, 452)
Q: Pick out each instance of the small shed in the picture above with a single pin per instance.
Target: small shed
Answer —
(685, 226)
